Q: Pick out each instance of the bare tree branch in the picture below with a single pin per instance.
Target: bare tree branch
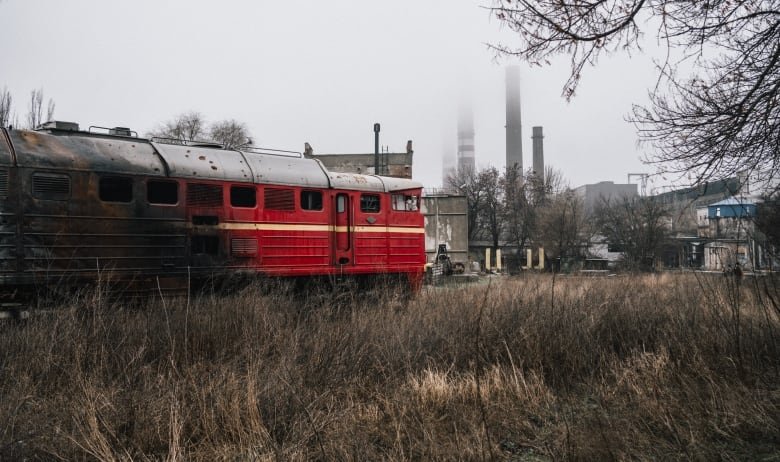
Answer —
(722, 119)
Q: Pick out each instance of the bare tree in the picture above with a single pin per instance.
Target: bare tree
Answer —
(491, 214)
(192, 126)
(485, 197)
(466, 183)
(561, 228)
(768, 219)
(35, 109)
(184, 127)
(524, 196)
(638, 226)
(230, 133)
(721, 119)
(5, 107)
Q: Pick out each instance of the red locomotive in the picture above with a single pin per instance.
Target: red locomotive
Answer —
(80, 206)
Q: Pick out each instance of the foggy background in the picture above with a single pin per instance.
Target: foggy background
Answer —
(322, 72)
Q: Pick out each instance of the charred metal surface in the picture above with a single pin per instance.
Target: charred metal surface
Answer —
(91, 154)
(7, 155)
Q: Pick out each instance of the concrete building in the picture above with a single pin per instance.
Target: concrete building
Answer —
(728, 232)
(593, 194)
(446, 222)
(514, 129)
(397, 164)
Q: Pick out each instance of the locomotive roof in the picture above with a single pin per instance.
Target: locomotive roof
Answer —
(88, 151)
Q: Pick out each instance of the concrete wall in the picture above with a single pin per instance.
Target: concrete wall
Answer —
(446, 222)
(399, 164)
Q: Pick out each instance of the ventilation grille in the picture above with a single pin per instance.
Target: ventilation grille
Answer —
(244, 246)
(279, 199)
(4, 183)
(204, 195)
(50, 186)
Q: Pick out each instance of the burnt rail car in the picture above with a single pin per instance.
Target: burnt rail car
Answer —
(81, 207)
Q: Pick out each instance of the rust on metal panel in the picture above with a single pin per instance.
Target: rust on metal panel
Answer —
(399, 184)
(204, 162)
(356, 181)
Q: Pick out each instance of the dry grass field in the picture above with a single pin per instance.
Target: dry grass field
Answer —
(656, 367)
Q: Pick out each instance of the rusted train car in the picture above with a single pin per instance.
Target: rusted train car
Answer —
(80, 206)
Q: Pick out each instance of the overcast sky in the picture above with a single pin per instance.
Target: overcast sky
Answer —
(318, 71)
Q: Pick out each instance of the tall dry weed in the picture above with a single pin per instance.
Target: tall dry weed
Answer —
(640, 367)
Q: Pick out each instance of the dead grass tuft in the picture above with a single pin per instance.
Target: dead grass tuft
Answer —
(642, 368)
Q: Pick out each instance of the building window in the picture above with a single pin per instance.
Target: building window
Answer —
(116, 189)
(405, 202)
(51, 186)
(311, 200)
(369, 203)
(162, 192)
(243, 196)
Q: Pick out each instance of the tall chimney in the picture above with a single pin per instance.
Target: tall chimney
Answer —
(514, 133)
(538, 151)
(465, 157)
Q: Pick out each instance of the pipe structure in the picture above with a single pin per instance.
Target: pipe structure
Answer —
(376, 149)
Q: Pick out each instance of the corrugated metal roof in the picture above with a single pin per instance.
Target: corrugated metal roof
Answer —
(734, 201)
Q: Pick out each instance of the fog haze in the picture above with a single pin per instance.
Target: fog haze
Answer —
(322, 72)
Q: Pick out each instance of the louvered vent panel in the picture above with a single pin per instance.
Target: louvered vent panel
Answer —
(4, 183)
(50, 186)
(279, 199)
(243, 246)
(204, 195)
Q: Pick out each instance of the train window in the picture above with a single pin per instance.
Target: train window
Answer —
(204, 195)
(405, 203)
(341, 203)
(369, 202)
(311, 200)
(243, 196)
(162, 192)
(205, 245)
(279, 199)
(51, 186)
(116, 189)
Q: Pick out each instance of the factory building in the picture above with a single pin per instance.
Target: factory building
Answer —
(397, 164)
(593, 194)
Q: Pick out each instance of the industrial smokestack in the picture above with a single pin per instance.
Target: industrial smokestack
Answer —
(465, 157)
(538, 152)
(514, 132)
